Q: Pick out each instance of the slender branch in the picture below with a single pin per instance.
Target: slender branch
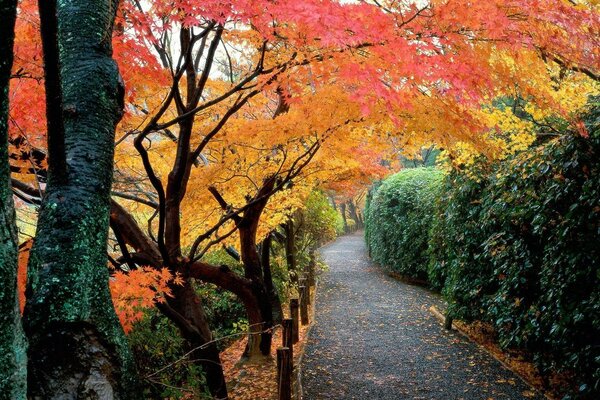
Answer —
(214, 45)
(135, 198)
(572, 67)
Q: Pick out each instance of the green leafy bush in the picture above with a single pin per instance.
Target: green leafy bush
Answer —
(398, 217)
(518, 245)
(158, 350)
(318, 222)
(515, 243)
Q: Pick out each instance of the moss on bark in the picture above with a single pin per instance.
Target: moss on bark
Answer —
(77, 346)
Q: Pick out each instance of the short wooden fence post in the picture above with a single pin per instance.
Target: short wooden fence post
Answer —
(304, 305)
(295, 322)
(286, 336)
(284, 374)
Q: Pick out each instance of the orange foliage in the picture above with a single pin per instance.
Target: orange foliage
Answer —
(134, 291)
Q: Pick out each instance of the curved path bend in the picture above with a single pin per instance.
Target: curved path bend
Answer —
(375, 338)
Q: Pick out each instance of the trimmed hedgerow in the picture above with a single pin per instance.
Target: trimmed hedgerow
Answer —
(398, 217)
(515, 243)
(519, 247)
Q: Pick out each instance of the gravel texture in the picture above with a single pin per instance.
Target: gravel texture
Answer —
(374, 338)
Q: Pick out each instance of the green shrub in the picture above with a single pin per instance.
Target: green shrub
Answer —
(545, 210)
(456, 262)
(515, 243)
(318, 222)
(518, 245)
(339, 224)
(398, 217)
(158, 348)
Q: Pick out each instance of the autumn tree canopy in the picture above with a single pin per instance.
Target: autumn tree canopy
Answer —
(233, 112)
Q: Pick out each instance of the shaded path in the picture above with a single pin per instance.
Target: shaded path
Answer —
(374, 338)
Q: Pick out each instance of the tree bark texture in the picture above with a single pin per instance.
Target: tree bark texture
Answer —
(268, 279)
(13, 361)
(260, 337)
(77, 347)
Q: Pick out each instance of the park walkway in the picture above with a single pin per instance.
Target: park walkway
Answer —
(374, 338)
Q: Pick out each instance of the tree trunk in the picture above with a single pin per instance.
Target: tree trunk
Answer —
(193, 324)
(13, 361)
(343, 211)
(77, 346)
(354, 214)
(185, 309)
(260, 338)
(258, 344)
(268, 279)
(290, 250)
(242, 287)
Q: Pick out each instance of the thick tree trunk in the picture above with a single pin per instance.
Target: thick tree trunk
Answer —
(193, 324)
(268, 279)
(77, 347)
(13, 361)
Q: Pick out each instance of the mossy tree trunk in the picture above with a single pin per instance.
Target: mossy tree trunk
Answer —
(12, 341)
(77, 346)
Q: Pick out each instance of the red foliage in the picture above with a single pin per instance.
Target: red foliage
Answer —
(137, 290)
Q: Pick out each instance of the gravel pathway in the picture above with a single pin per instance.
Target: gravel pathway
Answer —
(374, 338)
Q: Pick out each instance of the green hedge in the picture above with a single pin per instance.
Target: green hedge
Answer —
(521, 249)
(397, 218)
(514, 243)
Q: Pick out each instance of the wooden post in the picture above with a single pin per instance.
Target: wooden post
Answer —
(295, 322)
(304, 282)
(448, 322)
(304, 305)
(286, 336)
(284, 374)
